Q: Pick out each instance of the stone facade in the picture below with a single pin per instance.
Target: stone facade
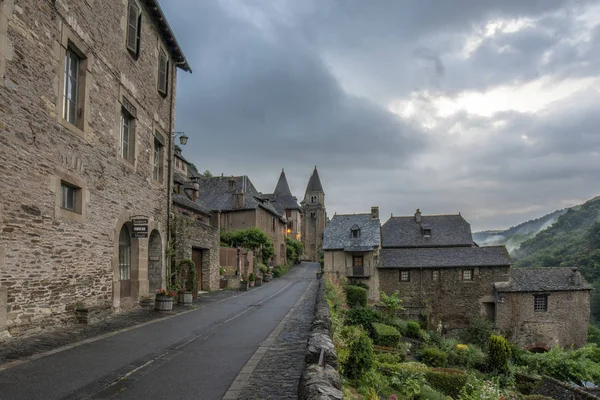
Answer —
(53, 256)
(315, 218)
(564, 322)
(449, 299)
(339, 265)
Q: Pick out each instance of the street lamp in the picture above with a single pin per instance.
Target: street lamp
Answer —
(183, 138)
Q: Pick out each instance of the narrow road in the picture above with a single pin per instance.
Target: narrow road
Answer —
(192, 356)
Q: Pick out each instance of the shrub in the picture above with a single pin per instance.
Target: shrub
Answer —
(433, 356)
(385, 335)
(391, 304)
(498, 354)
(359, 284)
(429, 393)
(186, 275)
(399, 324)
(594, 335)
(478, 332)
(413, 330)
(251, 277)
(360, 354)
(535, 397)
(280, 270)
(388, 358)
(355, 296)
(263, 268)
(364, 317)
(448, 381)
(465, 356)
(476, 389)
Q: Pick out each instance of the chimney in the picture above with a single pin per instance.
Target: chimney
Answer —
(418, 216)
(232, 183)
(575, 277)
(195, 191)
(375, 212)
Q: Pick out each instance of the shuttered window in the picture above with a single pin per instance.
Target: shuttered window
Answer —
(163, 72)
(134, 26)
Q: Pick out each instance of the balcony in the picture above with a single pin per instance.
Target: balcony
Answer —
(363, 271)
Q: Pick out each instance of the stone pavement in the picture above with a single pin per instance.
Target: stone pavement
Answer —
(21, 348)
(277, 373)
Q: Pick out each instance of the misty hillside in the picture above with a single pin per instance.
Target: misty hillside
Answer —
(572, 241)
(514, 236)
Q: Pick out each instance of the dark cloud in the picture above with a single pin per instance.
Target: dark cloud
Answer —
(296, 84)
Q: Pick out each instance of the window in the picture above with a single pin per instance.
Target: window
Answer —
(157, 163)
(134, 28)
(357, 261)
(404, 276)
(427, 232)
(355, 233)
(71, 86)
(127, 137)
(435, 275)
(467, 274)
(288, 213)
(313, 199)
(68, 197)
(163, 72)
(273, 228)
(540, 302)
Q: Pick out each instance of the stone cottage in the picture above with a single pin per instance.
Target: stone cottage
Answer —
(193, 235)
(236, 204)
(314, 218)
(540, 308)
(87, 100)
(351, 249)
(286, 203)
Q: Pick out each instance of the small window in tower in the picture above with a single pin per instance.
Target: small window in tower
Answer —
(313, 199)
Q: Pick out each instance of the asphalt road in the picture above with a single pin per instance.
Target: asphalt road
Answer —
(192, 356)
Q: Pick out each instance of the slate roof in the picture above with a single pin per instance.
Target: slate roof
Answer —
(314, 183)
(338, 235)
(282, 198)
(543, 280)
(216, 195)
(444, 257)
(446, 230)
(184, 201)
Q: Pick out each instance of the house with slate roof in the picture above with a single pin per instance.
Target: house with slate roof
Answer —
(438, 269)
(351, 248)
(194, 236)
(540, 308)
(287, 204)
(236, 204)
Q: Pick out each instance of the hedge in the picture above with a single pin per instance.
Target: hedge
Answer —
(433, 356)
(385, 335)
(364, 317)
(355, 296)
(446, 380)
(413, 330)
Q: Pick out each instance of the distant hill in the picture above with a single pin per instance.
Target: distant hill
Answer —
(514, 236)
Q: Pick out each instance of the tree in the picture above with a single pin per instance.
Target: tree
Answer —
(207, 174)
(294, 249)
(252, 239)
(193, 167)
(391, 303)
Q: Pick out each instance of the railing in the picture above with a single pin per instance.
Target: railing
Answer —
(358, 272)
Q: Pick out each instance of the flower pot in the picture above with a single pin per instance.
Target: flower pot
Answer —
(267, 277)
(244, 286)
(251, 283)
(185, 298)
(163, 303)
(258, 281)
(147, 303)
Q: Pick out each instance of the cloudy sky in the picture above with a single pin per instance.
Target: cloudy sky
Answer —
(487, 107)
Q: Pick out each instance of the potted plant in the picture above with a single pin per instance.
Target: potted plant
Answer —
(164, 300)
(251, 279)
(186, 273)
(266, 274)
(243, 282)
(146, 301)
(223, 279)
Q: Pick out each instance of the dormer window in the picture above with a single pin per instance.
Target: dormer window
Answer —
(232, 184)
(426, 232)
(355, 232)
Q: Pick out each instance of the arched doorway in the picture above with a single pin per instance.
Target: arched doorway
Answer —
(154, 261)
(124, 262)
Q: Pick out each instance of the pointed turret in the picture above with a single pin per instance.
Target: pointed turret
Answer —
(314, 183)
(283, 189)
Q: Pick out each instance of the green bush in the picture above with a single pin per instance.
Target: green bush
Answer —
(535, 397)
(360, 354)
(478, 332)
(413, 330)
(429, 393)
(433, 356)
(251, 277)
(263, 268)
(385, 335)
(594, 335)
(391, 304)
(359, 284)
(280, 270)
(388, 358)
(471, 357)
(399, 324)
(364, 317)
(355, 296)
(498, 354)
(448, 381)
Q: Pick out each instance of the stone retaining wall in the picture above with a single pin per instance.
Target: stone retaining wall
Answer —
(558, 390)
(318, 381)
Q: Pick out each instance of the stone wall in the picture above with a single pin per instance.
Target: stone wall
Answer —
(338, 264)
(313, 225)
(555, 389)
(189, 233)
(320, 381)
(449, 299)
(51, 258)
(565, 322)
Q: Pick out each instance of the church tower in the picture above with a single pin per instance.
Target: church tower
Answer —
(314, 217)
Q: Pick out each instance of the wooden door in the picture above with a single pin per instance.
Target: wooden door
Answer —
(197, 259)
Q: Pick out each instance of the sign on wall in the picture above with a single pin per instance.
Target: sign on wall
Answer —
(140, 227)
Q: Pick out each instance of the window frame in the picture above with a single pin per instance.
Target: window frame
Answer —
(543, 303)
(471, 274)
(401, 275)
(355, 258)
(158, 164)
(68, 190)
(426, 232)
(60, 179)
(134, 51)
(164, 91)
(435, 275)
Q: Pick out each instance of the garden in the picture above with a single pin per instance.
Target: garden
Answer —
(382, 356)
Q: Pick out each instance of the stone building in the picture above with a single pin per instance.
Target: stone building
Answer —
(236, 204)
(193, 235)
(540, 308)
(87, 97)
(351, 249)
(287, 204)
(315, 218)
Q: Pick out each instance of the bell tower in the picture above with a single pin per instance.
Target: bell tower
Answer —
(314, 217)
